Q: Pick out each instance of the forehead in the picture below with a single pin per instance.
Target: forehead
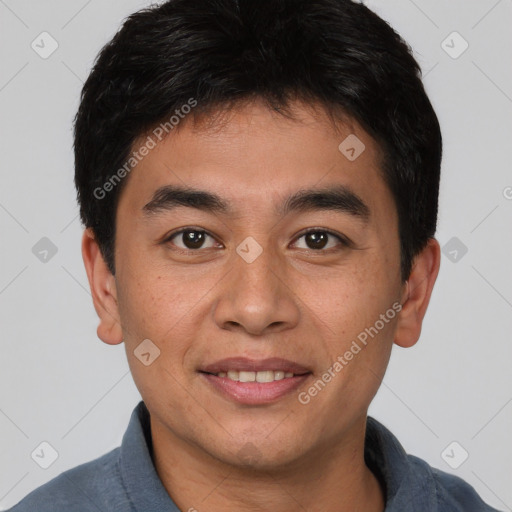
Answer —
(251, 155)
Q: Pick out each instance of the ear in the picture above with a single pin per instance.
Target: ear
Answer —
(103, 290)
(416, 294)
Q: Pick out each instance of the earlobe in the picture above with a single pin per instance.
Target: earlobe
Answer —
(417, 293)
(103, 290)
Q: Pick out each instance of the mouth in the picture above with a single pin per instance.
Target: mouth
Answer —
(248, 376)
(253, 382)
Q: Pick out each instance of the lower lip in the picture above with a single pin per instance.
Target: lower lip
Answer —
(254, 393)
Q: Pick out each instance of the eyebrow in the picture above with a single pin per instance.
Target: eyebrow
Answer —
(337, 198)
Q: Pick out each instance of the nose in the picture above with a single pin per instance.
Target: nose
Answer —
(257, 297)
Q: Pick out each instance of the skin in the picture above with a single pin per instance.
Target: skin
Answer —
(293, 301)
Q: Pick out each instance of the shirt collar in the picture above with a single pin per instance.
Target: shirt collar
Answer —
(406, 485)
(141, 481)
(408, 481)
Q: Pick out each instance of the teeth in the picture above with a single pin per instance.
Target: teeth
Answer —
(247, 376)
(263, 376)
(267, 376)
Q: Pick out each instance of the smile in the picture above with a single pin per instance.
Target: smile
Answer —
(261, 376)
(244, 387)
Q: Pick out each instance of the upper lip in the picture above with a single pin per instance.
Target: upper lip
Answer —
(255, 365)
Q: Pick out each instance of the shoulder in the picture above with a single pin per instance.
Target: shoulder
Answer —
(452, 492)
(410, 482)
(93, 486)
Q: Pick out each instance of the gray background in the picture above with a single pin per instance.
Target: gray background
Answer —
(60, 384)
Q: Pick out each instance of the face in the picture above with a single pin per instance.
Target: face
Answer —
(253, 274)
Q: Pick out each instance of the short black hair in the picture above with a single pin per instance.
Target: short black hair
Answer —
(215, 54)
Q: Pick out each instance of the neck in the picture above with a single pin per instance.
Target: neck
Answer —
(334, 479)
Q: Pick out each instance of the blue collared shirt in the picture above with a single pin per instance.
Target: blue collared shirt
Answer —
(125, 479)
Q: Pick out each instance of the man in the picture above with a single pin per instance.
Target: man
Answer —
(259, 186)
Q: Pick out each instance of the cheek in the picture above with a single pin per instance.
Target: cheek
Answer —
(347, 310)
(152, 300)
(157, 309)
(351, 298)
(164, 307)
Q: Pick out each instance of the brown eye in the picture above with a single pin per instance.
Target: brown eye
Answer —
(190, 239)
(317, 240)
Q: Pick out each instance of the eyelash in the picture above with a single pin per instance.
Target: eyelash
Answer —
(344, 242)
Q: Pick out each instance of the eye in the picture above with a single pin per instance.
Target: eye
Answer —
(318, 239)
(191, 239)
